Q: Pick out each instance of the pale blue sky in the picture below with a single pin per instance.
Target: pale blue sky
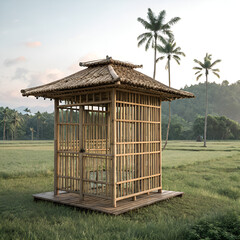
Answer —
(42, 41)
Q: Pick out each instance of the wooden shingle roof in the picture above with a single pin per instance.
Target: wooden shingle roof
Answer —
(104, 73)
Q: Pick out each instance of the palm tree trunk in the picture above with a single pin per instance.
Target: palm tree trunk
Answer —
(15, 128)
(37, 129)
(4, 128)
(169, 113)
(206, 112)
(32, 135)
(155, 56)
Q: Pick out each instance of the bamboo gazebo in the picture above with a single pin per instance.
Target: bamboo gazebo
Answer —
(107, 142)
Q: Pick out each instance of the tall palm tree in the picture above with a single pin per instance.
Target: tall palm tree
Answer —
(204, 68)
(16, 119)
(170, 51)
(6, 115)
(32, 131)
(39, 118)
(157, 27)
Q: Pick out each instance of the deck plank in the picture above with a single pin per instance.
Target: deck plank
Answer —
(103, 205)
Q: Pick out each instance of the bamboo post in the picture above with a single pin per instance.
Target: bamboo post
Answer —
(81, 153)
(56, 140)
(160, 137)
(113, 146)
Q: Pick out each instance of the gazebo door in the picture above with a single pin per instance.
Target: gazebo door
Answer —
(96, 159)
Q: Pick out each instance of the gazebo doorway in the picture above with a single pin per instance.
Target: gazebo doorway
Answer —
(84, 150)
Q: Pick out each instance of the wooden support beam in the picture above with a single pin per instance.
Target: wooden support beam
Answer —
(113, 146)
(56, 144)
(80, 152)
(160, 137)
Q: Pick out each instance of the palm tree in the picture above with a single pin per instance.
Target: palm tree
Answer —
(204, 68)
(6, 115)
(170, 50)
(39, 118)
(27, 111)
(32, 131)
(157, 27)
(17, 119)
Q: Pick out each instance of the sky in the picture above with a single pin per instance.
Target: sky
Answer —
(43, 41)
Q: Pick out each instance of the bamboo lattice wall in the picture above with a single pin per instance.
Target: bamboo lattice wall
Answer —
(138, 144)
(108, 144)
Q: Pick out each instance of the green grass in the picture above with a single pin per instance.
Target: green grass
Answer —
(209, 209)
(26, 158)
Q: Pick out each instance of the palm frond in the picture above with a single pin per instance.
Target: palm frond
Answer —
(177, 57)
(200, 63)
(216, 74)
(215, 62)
(146, 24)
(177, 60)
(161, 17)
(160, 58)
(162, 39)
(160, 48)
(216, 70)
(143, 40)
(199, 76)
(197, 72)
(169, 34)
(178, 49)
(151, 16)
(148, 43)
(174, 20)
(173, 45)
(197, 68)
(208, 57)
(147, 34)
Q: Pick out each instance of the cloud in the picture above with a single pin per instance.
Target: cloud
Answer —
(20, 73)
(33, 44)
(10, 62)
(85, 58)
(89, 57)
(45, 77)
(22, 79)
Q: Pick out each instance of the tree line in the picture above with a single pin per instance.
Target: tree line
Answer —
(219, 128)
(224, 100)
(40, 126)
(25, 126)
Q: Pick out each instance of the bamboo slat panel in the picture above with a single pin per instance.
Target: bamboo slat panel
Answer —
(138, 144)
(97, 161)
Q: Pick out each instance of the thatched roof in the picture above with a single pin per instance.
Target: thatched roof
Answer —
(105, 72)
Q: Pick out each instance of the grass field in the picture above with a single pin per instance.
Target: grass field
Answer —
(210, 208)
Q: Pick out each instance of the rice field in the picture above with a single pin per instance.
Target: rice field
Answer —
(209, 177)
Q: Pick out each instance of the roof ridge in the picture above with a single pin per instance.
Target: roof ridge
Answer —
(113, 73)
(107, 61)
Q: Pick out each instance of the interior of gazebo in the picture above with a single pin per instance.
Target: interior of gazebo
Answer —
(107, 137)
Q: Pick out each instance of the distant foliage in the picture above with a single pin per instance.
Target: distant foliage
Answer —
(219, 128)
(21, 126)
(223, 99)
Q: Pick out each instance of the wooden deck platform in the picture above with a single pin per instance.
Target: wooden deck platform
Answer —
(103, 205)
